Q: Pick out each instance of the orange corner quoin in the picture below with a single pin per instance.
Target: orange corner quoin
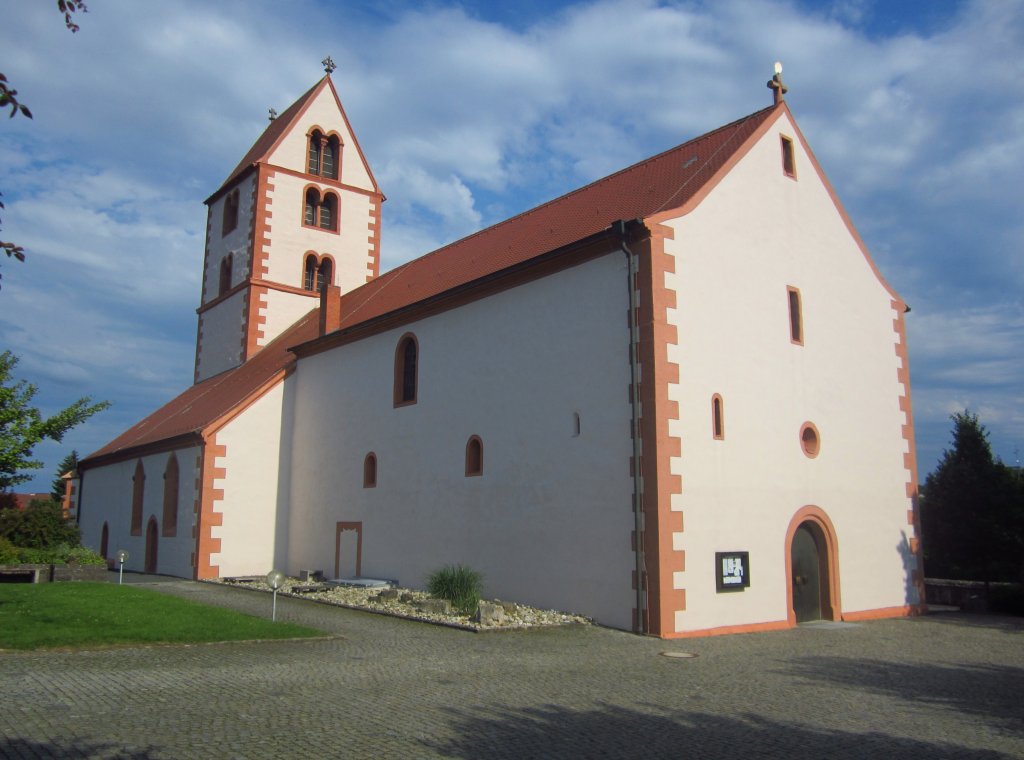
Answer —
(331, 398)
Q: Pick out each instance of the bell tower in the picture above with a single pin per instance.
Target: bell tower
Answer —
(300, 211)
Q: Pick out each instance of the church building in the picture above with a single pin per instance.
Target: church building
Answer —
(675, 400)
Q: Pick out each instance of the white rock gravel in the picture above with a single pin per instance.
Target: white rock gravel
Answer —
(517, 616)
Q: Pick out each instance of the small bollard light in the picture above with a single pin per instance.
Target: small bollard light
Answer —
(122, 557)
(275, 579)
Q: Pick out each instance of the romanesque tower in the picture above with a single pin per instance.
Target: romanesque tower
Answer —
(301, 210)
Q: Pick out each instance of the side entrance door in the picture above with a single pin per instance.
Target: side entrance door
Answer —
(806, 580)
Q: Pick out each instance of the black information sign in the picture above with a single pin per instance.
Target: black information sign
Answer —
(732, 571)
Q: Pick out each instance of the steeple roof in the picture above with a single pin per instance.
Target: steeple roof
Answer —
(280, 126)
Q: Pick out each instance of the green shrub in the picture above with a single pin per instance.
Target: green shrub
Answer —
(458, 584)
(8, 552)
(40, 526)
(79, 555)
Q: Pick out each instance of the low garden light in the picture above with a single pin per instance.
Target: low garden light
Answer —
(275, 579)
(122, 557)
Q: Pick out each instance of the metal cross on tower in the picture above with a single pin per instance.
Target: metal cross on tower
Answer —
(775, 84)
(328, 64)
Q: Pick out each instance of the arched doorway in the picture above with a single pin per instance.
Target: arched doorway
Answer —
(812, 567)
(152, 536)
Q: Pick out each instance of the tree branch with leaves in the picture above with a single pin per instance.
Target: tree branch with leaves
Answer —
(23, 427)
(9, 98)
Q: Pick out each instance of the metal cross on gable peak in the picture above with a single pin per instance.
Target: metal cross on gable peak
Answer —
(328, 63)
(776, 85)
(271, 114)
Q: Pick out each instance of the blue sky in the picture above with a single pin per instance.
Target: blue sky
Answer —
(472, 112)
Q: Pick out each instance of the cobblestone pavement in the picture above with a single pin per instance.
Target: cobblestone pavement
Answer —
(944, 686)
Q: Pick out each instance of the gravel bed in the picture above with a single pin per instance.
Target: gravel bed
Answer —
(407, 605)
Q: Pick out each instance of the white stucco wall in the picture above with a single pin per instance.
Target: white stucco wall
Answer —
(221, 339)
(290, 240)
(550, 519)
(253, 530)
(106, 496)
(282, 311)
(755, 234)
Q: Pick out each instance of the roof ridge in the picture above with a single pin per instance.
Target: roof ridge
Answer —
(578, 190)
(277, 126)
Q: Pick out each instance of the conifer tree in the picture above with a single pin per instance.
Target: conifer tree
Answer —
(970, 512)
(67, 464)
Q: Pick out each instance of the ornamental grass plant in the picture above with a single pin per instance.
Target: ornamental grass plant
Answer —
(459, 584)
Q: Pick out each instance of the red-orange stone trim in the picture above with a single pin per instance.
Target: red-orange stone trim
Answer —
(910, 457)
(339, 529)
(208, 517)
(656, 373)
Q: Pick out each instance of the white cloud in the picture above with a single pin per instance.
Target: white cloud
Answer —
(465, 120)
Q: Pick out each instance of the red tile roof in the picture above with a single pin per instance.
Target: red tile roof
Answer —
(657, 184)
(208, 401)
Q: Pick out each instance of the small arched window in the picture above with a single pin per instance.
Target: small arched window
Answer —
(138, 491)
(323, 275)
(370, 471)
(406, 370)
(310, 272)
(474, 456)
(324, 155)
(312, 204)
(717, 417)
(320, 211)
(170, 520)
(229, 219)
(328, 212)
(329, 158)
(225, 275)
(104, 540)
(315, 141)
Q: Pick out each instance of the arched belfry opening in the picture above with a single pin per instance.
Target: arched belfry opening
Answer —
(812, 567)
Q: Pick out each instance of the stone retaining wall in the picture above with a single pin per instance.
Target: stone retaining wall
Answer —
(51, 573)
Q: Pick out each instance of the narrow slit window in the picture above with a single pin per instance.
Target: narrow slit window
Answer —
(230, 218)
(171, 496)
(788, 159)
(225, 275)
(370, 471)
(406, 370)
(474, 456)
(138, 493)
(796, 317)
(717, 418)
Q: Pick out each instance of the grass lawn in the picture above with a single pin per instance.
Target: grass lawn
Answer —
(37, 616)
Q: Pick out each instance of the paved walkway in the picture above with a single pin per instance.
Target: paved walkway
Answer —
(943, 686)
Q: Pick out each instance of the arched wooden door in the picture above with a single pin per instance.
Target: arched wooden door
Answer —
(812, 558)
(152, 537)
(807, 578)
